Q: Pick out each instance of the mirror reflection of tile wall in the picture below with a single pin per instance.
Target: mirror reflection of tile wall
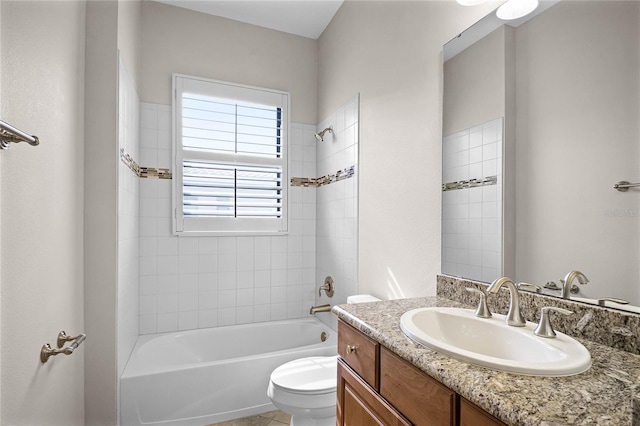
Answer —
(472, 202)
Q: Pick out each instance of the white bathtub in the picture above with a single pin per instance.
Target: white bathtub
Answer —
(205, 376)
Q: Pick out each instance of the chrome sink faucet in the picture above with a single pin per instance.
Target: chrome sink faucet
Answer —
(514, 317)
(566, 283)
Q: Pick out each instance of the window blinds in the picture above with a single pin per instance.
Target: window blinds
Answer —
(231, 152)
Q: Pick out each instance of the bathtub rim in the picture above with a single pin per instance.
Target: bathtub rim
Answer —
(332, 338)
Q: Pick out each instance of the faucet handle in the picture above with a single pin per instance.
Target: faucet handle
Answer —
(601, 302)
(529, 287)
(483, 310)
(327, 287)
(544, 328)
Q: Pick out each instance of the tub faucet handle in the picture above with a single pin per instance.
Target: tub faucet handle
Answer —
(327, 287)
(483, 310)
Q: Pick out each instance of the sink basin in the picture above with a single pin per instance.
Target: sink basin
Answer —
(491, 343)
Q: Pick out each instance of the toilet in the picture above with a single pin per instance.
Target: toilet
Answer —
(306, 387)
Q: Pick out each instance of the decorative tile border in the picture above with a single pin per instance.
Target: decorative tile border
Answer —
(304, 182)
(324, 180)
(471, 183)
(150, 172)
(144, 172)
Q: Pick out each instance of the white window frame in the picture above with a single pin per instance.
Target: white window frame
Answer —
(198, 226)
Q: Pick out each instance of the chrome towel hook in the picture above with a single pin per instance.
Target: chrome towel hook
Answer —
(47, 351)
(623, 185)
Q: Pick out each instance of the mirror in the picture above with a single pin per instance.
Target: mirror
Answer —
(565, 84)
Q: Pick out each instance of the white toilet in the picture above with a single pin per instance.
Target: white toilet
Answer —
(306, 387)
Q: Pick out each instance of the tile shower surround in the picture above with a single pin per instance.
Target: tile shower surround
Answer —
(337, 206)
(472, 217)
(128, 219)
(196, 282)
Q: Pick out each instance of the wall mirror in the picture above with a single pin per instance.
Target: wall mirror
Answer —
(541, 120)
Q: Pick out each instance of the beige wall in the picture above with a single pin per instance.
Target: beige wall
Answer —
(474, 84)
(129, 38)
(100, 212)
(129, 29)
(0, 221)
(390, 52)
(177, 40)
(577, 134)
(42, 81)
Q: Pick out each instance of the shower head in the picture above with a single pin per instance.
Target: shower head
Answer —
(320, 135)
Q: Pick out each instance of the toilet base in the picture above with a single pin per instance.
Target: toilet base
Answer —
(307, 421)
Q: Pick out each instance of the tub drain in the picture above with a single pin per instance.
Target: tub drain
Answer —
(323, 336)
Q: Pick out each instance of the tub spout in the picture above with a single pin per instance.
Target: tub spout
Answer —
(321, 308)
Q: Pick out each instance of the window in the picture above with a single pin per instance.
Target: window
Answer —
(230, 158)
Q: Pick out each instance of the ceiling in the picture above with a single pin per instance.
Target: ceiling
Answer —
(306, 18)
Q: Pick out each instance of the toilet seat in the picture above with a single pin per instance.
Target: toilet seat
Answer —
(307, 376)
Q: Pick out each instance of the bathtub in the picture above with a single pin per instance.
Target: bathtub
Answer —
(206, 376)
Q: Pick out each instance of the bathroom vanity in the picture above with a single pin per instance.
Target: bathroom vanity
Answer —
(386, 378)
(376, 386)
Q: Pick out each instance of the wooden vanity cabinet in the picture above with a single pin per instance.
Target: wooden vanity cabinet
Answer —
(377, 387)
(360, 405)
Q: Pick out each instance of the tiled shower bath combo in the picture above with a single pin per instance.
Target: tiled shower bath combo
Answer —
(182, 286)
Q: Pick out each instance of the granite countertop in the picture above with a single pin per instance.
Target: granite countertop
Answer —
(603, 395)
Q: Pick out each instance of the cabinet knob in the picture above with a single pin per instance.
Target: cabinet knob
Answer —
(350, 349)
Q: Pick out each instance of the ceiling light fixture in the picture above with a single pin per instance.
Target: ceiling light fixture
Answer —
(514, 9)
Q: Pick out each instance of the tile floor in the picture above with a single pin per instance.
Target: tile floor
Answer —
(272, 418)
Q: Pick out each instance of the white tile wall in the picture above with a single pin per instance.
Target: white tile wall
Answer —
(128, 211)
(337, 206)
(197, 282)
(472, 218)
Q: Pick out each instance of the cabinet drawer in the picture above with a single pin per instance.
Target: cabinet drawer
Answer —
(421, 399)
(359, 351)
(359, 405)
(472, 415)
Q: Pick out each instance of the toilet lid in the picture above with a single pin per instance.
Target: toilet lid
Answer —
(307, 375)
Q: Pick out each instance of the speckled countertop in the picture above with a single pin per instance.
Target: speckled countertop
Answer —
(602, 395)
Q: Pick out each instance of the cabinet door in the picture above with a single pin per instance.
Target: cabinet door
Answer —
(420, 398)
(472, 415)
(360, 352)
(359, 405)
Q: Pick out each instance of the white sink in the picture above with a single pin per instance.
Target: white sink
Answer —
(491, 343)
